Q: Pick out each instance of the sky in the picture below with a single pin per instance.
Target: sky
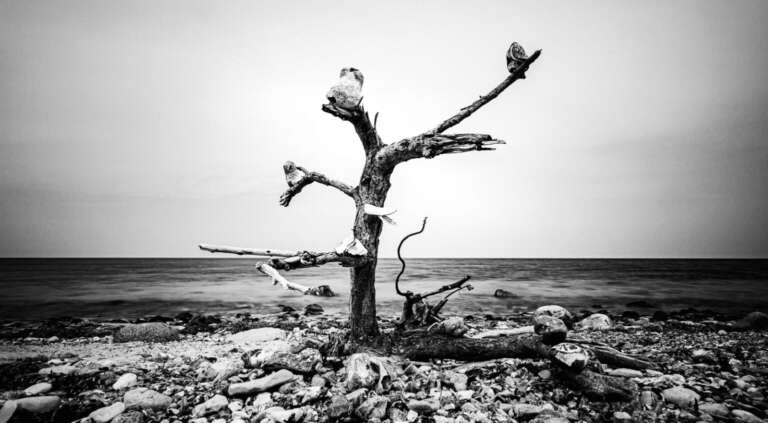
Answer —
(142, 128)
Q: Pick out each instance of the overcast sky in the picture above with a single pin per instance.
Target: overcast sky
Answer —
(141, 128)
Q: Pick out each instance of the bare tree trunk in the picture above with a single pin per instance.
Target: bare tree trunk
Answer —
(373, 188)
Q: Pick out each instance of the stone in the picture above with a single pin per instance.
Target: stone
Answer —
(106, 414)
(360, 371)
(63, 369)
(423, 406)
(38, 389)
(257, 337)
(526, 411)
(680, 396)
(714, 409)
(703, 356)
(216, 403)
(263, 401)
(356, 396)
(555, 311)
(570, 357)
(303, 362)
(225, 368)
(265, 383)
(502, 293)
(318, 380)
(596, 321)
(622, 417)
(127, 380)
(38, 405)
(339, 406)
(129, 417)
(268, 351)
(551, 329)
(6, 412)
(456, 379)
(144, 398)
(146, 332)
(754, 320)
(746, 417)
(452, 326)
(313, 310)
(374, 407)
(625, 372)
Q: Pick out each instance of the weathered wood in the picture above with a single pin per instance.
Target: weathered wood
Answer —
(600, 387)
(429, 146)
(493, 333)
(261, 252)
(308, 178)
(309, 259)
(615, 358)
(278, 278)
(472, 349)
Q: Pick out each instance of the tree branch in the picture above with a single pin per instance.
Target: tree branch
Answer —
(307, 179)
(359, 118)
(311, 259)
(464, 113)
(434, 145)
(240, 251)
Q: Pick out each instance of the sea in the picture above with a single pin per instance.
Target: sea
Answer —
(126, 288)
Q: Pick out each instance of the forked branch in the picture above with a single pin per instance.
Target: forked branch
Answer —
(299, 177)
(434, 145)
(311, 259)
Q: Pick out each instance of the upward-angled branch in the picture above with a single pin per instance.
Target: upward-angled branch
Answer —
(464, 113)
(301, 177)
(359, 118)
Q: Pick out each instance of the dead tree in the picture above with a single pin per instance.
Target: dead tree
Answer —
(374, 184)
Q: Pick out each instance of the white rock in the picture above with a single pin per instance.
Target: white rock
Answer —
(143, 398)
(64, 369)
(38, 388)
(597, 321)
(127, 380)
(680, 396)
(7, 411)
(625, 372)
(714, 409)
(106, 414)
(211, 406)
(257, 337)
(36, 405)
(746, 416)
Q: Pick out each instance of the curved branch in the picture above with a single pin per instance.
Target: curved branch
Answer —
(464, 113)
(359, 118)
(307, 178)
(434, 145)
(399, 257)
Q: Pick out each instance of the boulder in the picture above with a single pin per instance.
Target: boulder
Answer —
(596, 321)
(256, 337)
(263, 384)
(551, 329)
(570, 357)
(374, 407)
(680, 396)
(555, 311)
(38, 405)
(106, 414)
(303, 362)
(313, 309)
(216, 403)
(146, 332)
(38, 389)
(754, 320)
(370, 371)
(144, 398)
(127, 380)
(502, 293)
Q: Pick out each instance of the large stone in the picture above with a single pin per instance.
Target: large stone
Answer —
(38, 405)
(38, 389)
(555, 311)
(374, 407)
(106, 414)
(340, 406)
(503, 293)
(714, 409)
(569, 356)
(146, 332)
(526, 411)
(754, 320)
(213, 405)
(129, 417)
(746, 417)
(551, 329)
(257, 337)
(303, 362)
(263, 384)
(680, 396)
(126, 380)
(597, 321)
(143, 398)
(6, 412)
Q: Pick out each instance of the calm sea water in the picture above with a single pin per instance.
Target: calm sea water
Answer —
(124, 288)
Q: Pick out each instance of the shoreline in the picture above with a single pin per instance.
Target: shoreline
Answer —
(193, 371)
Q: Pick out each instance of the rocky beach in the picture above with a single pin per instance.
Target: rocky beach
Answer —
(287, 367)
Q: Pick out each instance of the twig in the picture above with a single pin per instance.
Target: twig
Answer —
(399, 257)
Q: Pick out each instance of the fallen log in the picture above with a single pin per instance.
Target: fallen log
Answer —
(615, 358)
(600, 387)
(320, 291)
